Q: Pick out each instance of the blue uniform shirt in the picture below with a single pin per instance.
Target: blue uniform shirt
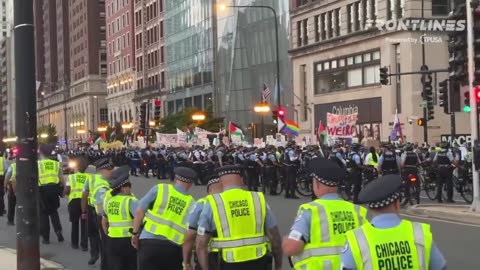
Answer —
(194, 215)
(300, 229)
(145, 204)
(385, 221)
(357, 159)
(253, 158)
(206, 224)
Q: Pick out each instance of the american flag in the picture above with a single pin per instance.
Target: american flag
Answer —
(265, 93)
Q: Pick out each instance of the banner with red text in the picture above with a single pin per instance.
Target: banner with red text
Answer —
(342, 126)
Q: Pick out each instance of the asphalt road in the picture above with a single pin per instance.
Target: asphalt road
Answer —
(458, 241)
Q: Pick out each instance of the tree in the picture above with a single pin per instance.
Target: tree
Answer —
(49, 134)
(183, 119)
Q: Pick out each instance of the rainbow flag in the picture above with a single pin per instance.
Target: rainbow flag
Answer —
(288, 127)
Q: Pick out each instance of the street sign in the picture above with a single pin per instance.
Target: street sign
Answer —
(459, 139)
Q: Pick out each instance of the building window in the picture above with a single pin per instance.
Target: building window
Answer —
(301, 2)
(299, 33)
(103, 115)
(440, 7)
(305, 32)
(333, 75)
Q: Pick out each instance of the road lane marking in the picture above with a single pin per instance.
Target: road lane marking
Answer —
(442, 220)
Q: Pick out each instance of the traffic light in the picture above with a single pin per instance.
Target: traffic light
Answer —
(282, 113)
(143, 116)
(457, 47)
(275, 116)
(157, 111)
(421, 122)
(427, 93)
(466, 101)
(444, 95)
(384, 75)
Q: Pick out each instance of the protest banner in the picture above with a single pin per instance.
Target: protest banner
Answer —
(342, 126)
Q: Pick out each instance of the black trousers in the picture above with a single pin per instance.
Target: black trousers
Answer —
(12, 202)
(49, 203)
(2, 194)
(357, 185)
(121, 254)
(291, 181)
(159, 254)
(252, 179)
(79, 225)
(103, 245)
(445, 177)
(259, 264)
(93, 233)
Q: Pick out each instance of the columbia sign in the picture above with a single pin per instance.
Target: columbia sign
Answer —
(418, 25)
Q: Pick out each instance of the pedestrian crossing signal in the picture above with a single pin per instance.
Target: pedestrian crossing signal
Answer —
(421, 122)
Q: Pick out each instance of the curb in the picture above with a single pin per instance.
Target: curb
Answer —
(461, 216)
(44, 264)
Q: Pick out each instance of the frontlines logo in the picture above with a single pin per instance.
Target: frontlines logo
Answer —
(418, 25)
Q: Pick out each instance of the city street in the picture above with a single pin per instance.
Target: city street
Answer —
(457, 241)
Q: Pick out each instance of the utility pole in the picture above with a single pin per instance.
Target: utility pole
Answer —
(425, 110)
(28, 251)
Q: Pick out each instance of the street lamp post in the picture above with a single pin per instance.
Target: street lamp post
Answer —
(262, 109)
(223, 7)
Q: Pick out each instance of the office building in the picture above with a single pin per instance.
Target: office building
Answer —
(337, 50)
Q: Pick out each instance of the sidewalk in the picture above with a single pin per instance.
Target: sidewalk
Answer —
(458, 213)
(8, 261)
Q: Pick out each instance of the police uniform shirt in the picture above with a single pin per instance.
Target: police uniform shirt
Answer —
(194, 215)
(5, 165)
(356, 157)
(272, 157)
(253, 157)
(292, 155)
(207, 225)
(382, 158)
(300, 229)
(148, 200)
(219, 154)
(449, 156)
(197, 155)
(386, 221)
(240, 156)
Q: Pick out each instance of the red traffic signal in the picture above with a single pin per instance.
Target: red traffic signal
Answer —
(477, 94)
(158, 103)
(282, 112)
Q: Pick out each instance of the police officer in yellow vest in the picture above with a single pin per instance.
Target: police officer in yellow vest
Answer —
(9, 187)
(92, 208)
(164, 213)
(242, 222)
(213, 187)
(317, 236)
(119, 208)
(73, 188)
(50, 182)
(388, 242)
(3, 170)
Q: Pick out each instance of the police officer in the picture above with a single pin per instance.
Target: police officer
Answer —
(355, 164)
(291, 163)
(444, 161)
(337, 156)
(73, 189)
(213, 187)
(389, 242)
(240, 234)
(408, 164)
(317, 235)
(50, 182)
(387, 163)
(254, 165)
(119, 208)
(270, 173)
(9, 187)
(164, 212)
(92, 208)
(134, 158)
(3, 170)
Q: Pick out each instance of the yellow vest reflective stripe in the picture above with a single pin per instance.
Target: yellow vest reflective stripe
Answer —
(48, 172)
(372, 248)
(13, 168)
(241, 232)
(2, 168)
(330, 220)
(77, 182)
(169, 215)
(98, 183)
(120, 221)
(371, 161)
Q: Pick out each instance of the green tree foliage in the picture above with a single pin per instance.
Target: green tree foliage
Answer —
(120, 136)
(51, 131)
(183, 119)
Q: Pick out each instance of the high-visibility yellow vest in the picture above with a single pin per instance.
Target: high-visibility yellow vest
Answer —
(48, 172)
(2, 168)
(77, 182)
(95, 185)
(406, 246)
(371, 161)
(169, 215)
(330, 220)
(239, 218)
(120, 220)
(13, 168)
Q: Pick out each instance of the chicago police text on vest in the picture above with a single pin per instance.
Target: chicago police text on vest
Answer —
(394, 255)
(113, 208)
(239, 208)
(343, 221)
(176, 205)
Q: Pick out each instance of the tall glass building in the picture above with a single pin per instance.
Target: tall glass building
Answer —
(246, 58)
(189, 54)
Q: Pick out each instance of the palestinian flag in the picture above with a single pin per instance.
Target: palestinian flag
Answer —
(235, 130)
(321, 133)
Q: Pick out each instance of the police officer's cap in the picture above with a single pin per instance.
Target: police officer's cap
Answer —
(326, 171)
(185, 174)
(104, 163)
(45, 149)
(212, 179)
(229, 169)
(120, 177)
(381, 192)
(445, 145)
